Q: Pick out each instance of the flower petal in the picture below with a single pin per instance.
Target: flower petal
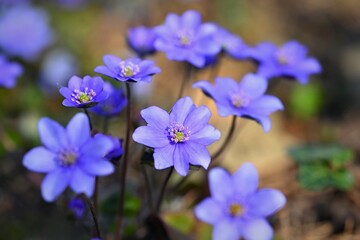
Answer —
(172, 21)
(266, 202)
(156, 117)
(209, 211)
(253, 85)
(52, 134)
(181, 163)
(246, 180)
(265, 105)
(78, 129)
(257, 229)
(111, 61)
(54, 184)
(97, 166)
(190, 19)
(164, 157)
(98, 146)
(74, 83)
(181, 109)
(206, 136)
(197, 154)
(227, 229)
(197, 119)
(104, 70)
(81, 182)
(150, 136)
(220, 184)
(40, 160)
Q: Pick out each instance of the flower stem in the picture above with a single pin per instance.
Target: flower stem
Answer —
(148, 187)
(162, 190)
(88, 115)
(93, 214)
(187, 77)
(227, 139)
(123, 168)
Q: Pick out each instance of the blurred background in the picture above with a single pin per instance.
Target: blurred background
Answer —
(311, 153)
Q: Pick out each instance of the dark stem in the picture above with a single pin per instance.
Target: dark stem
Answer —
(227, 139)
(148, 187)
(93, 214)
(105, 125)
(123, 168)
(88, 115)
(162, 190)
(187, 77)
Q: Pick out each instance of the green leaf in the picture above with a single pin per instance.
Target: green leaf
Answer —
(181, 221)
(314, 176)
(342, 180)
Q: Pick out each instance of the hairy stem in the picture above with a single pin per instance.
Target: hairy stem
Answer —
(227, 139)
(93, 214)
(162, 190)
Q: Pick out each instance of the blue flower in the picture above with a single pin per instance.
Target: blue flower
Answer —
(113, 105)
(236, 207)
(70, 157)
(185, 38)
(141, 40)
(129, 70)
(179, 138)
(231, 44)
(117, 149)
(24, 32)
(78, 207)
(83, 92)
(289, 60)
(245, 99)
(9, 71)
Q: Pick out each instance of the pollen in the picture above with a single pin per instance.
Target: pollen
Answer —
(178, 133)
(67, 158)
(128, 69)
(236, 210)
(85, 96)
(239, 99)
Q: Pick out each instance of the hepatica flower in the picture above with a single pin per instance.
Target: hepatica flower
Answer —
(236, 207)
(83, 92)
(245, 99)
(25, 32)
(70, 157)
(9, 72)
(113, 105)
(185, 38)
(289, 60)
(141, 40)
(117, 149)
(129, 70)
(179, 138)
(231, 44)
(77, 206)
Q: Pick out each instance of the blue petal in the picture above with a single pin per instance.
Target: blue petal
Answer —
(98, 146)
(206, 136)
(78, 130)
(104, 70)
(52, 134)
(69, 103)
(181, 110)
(150, 136)
(246, 180)
(253, 85)
(156, 117)
(97, 166)
(74, 83)
(172, 21)
(65, 92)
(54, 184)
(164, 157)
(266, 202)
(262, 52)
(265, 105)
(269, 70)
(81, 182)
(293, 49)
(209, 211)
(257, 229)
(197, 119)
(221, 184)
(197, 154)
(227, 229)
(198, 60)
(40, 160)
(207, 29)
(111, 61)
(181, 163)
(190, 19)
(208, 46)
(206, 87)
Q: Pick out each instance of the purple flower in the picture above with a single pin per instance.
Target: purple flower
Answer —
(236, 207)
(231, 44)
(245, 99)
(70, 157)
(141, 40)
(9, 71)
(290, 60)
(83, 92)
(24, 32)
(129, 70)
(185, 38)
(179, 138)
(78, 207)
(117, 149)
(113, 105)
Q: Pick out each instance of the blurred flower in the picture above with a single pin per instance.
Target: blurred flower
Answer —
(9, 71)
(83, 92)
(13, 2)
(236, 207)
(179, 138)
(72, 4)
(70, 157)
(231, 44)
(78, 207)
(117, 149)
(113, 105)
(141, 40)
(24, 32)
(245, 99)
(185, 38)
(290, 60)
(56, 69)
(129, 70)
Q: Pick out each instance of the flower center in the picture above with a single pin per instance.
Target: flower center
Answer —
(128, 69)
(83, 97)
(236, 210)
(178, 133)
(282, 59)
(67, 158)
(239, 99)
(184, 39)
